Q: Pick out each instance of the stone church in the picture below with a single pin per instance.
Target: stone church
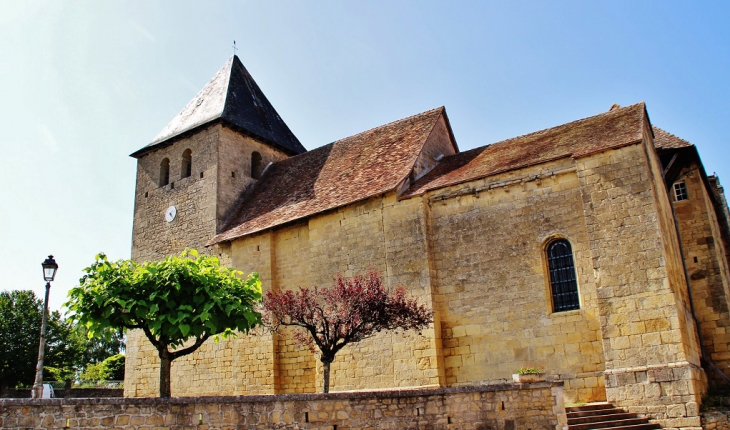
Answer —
(595, 249)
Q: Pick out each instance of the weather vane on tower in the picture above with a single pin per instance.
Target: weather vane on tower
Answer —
(234, 48)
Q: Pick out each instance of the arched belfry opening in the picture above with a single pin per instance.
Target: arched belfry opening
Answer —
(187, 164)
(164, 172)
(257, 165)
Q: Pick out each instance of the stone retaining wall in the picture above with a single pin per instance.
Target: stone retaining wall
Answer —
(70, 393)
(536, 406)
(715, 420)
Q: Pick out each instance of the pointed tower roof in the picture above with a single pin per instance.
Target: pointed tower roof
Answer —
(234, 97)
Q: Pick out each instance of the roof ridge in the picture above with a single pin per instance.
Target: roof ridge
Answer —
(232, 60)
(387, 124)
(606, 130)
(566, 125)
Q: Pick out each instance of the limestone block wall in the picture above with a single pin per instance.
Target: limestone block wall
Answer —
(704, 256)
(234, 168)
(536, 406)
(382, 232)
(649, 340)
(221, 172)
(153, 237)
(493, 292)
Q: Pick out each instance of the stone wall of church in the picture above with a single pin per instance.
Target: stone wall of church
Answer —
(493, 291)
(379, 232)
(153, 237)
(234, 168)
(476, 252)
(649, 340)
(707, 268)
(221, 171)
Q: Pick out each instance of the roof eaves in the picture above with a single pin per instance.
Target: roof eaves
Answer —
(223, 237)
(168, 141)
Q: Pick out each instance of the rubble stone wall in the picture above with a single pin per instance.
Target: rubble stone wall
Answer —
(537, 406)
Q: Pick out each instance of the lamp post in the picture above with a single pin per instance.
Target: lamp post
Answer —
(49, 272)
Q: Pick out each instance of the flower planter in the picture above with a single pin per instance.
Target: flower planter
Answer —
(529, 377)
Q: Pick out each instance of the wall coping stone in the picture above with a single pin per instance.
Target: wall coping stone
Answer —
(384, 394)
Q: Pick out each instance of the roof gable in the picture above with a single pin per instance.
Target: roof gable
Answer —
(666, 140)
(234, 97)
(334, 175)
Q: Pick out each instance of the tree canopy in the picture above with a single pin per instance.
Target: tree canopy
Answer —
(351, 310)
(112, 368)
(20, 328)
(179, 299)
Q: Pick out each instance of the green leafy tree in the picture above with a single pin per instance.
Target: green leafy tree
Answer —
(110, 369)
(173, 301)
(95, 372)
(115, 366)
(64, 349)
(99, 348)
(20, 327)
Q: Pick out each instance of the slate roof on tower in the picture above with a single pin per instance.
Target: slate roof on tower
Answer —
(234, 97)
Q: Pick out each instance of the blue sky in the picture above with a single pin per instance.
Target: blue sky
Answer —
(84, 84)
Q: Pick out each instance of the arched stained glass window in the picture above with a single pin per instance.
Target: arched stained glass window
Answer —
(562, 276)
(165, 172)
(187, 164)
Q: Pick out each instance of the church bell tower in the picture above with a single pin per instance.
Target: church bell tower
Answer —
(190, 177)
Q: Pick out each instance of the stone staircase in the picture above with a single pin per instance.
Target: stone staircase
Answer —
(605, 416)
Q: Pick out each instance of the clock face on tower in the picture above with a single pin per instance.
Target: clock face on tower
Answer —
(170, 213)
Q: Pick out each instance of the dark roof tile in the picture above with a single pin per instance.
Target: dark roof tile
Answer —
(232, 96)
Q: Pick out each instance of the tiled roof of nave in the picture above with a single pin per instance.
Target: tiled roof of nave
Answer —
(334, 175)
(611, 129)
(377, 160)
(666, 140)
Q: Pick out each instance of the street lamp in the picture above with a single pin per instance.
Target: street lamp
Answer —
(49, 272)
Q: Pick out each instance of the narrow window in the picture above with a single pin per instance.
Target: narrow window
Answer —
(680, 192)
(562, 276)
(257, 165)
(165, 172)
(187, 164)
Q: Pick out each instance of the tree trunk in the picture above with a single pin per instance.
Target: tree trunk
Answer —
(165, 363)
(326, 366)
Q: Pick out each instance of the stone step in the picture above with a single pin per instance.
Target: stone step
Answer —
(630, 424)
(647, 426)
(605, 416)
(621, 415)
(595, 412)
(590, 407)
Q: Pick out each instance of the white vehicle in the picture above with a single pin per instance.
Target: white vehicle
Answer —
(48, 392)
